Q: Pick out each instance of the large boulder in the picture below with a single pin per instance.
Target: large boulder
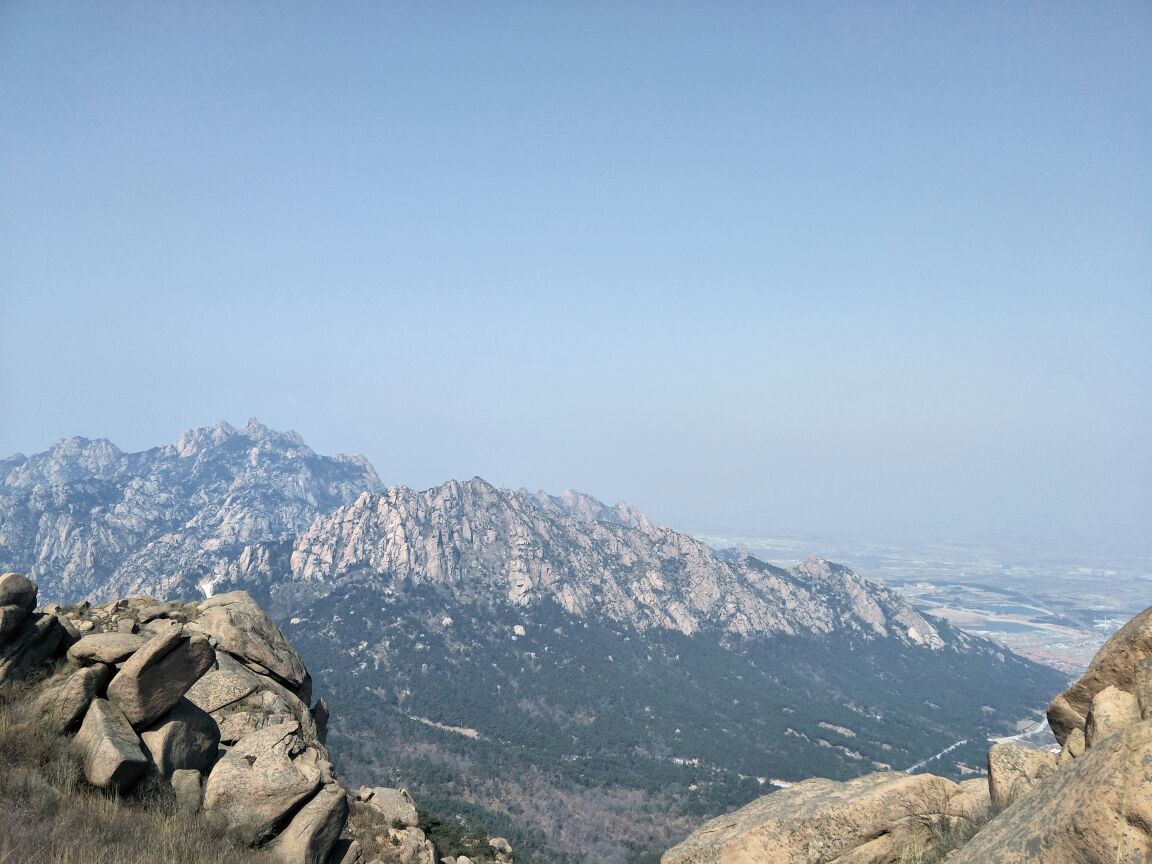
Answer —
(873, 819)
(158, 674)
(312, 834)
(63, 703)
(396, 805)
(260, 701)
(261, 780)
(18, 590)
(185, 737)
(106, 647)
(245, 631)
(1097, 810)
(1115, 664)
(28, 651)
(109, 747)
(1014, 770)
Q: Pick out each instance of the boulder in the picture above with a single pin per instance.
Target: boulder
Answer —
(63, 703)
(1074, 746)
(184, 738)
(314, 830)
(219, 688)
(38, 641)
(158, 674)
(1014, 770)
(105, 648)
(261, 780)
(411, 847)
(1112, 710)
(501, 849)
(1097, 810)
(347, 852)
(396, 805)
(186, 784)
(11, 617)
(109, 747)
(245, 631)
(972, 801)
(266, 702)
(1115, 664)
(872, 819)
(16, 589)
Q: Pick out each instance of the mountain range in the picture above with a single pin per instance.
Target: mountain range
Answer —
(571, 673)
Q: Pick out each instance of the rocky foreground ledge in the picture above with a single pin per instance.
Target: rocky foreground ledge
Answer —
(1092, 804)
(209, 702)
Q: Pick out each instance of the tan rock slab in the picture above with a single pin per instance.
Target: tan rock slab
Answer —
(821, 821)
(245, 631)
(311, 835)
(109, 747)
(63, 704)
(259, 781)
(1114, 664)
(1112, 711)
(1096, 810)
(158, 674)
(185, 738)
(108, 648)
(1014, 770)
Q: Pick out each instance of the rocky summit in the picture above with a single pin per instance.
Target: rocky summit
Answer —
(208, 704)
(527, 661)
(1089, 804)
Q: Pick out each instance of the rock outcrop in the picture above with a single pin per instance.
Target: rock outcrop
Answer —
(874, 818)
(1092, 805)
(209, 700)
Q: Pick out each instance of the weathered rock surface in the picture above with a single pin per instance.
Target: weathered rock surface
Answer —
(1115, 664)
(1097, 810)
(1014, 770)
(1112, 710)
(260, 780)
(187, 785)
(245, 631)
(184, 738)
(869, 819)
(396, 805)
(158, 674)
(106, 647)
(17, 590)
(64, 702)
(31, 647)
(311, 835)
(111, 751)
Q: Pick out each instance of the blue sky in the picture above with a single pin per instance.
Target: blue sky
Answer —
(871, 267)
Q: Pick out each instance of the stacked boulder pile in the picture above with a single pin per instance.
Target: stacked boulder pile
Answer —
(1091, 804)
(209, 702)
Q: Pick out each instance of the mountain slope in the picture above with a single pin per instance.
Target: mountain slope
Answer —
(550, 661)
(85, 519)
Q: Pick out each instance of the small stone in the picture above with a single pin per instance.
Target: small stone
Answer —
(186, 783)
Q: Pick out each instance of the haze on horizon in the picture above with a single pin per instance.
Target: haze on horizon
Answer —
(823, 267)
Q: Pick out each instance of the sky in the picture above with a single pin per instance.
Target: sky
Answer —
(870, 267)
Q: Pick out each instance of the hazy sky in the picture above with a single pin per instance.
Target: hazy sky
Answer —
(856, 266)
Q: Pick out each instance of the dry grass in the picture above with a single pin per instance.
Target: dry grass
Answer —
(50, 815)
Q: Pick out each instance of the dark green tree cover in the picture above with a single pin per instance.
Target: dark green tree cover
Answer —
(689, 722)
